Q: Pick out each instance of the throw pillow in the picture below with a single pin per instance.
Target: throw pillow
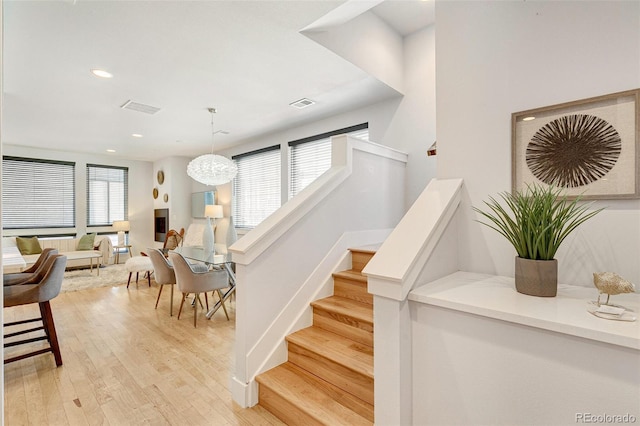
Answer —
(28, 245)
(86, 242)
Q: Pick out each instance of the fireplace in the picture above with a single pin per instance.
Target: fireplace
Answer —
(161, 223)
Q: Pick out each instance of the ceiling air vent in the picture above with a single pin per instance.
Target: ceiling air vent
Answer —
(135, 106)
(302, 103)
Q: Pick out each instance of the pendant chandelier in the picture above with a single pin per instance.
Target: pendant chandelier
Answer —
(212, 169)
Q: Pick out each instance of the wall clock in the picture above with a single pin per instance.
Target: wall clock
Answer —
(160, 177)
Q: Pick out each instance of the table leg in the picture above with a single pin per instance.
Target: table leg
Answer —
(227, 294)
(218, 304)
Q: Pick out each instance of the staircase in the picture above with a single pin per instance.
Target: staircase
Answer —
(328, 379)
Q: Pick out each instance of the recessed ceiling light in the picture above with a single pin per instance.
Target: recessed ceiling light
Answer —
(528, 118)
(101, 73)
(111, 150)
(136, 135)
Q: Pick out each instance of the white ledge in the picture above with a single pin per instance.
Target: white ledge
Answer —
(495, 297)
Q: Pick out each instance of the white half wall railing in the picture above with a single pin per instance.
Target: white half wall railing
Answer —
(287, 260)
(423, 246)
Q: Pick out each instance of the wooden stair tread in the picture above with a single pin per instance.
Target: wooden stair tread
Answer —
(348, 307)
(351, 274)
(309, 398)
(341, 350)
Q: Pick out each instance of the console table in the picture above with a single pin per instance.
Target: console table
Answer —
(12, 260)
(116, 259)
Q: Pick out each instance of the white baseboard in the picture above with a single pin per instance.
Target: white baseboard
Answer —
(244, 394)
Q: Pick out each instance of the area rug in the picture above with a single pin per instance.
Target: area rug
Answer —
(82, 279)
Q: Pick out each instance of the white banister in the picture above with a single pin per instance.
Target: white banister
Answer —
(287, 260)
(394, 269)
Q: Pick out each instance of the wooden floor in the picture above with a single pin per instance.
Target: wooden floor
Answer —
(126, 363)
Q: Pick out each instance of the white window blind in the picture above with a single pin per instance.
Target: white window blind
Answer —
(107, 194)
(256, 188)
(37, 193)
(310, 157)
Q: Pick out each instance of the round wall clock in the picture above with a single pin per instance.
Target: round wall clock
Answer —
(155, 193)
(166, 197)
(160, 177)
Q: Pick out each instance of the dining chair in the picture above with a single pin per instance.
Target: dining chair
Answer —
(28, 274)
(196, 282)
(41, 293)
(164, 274)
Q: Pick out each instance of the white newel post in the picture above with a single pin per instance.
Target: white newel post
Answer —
(392, 361)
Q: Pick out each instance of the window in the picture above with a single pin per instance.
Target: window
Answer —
(37, 193)
(256, 188)
(107, 194)
(310, 157)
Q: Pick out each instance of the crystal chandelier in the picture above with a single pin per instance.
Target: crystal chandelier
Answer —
(212, 169)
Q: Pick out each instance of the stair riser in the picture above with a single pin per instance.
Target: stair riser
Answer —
(283, 409)
(345, 326)
(351, 289)
(348, 380)
(356, 404)
(360, 259)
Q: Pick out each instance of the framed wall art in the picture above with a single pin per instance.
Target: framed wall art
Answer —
(589, 147)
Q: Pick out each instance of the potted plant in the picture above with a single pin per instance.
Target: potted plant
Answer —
(535, 221)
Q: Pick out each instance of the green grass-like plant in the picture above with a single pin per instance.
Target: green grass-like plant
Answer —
(535, 220)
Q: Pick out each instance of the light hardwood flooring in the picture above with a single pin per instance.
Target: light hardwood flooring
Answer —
(126, 363)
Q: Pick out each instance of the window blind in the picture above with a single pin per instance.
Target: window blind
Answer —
(37, 193)
(256, 188)
(107, 194)
(310, 157)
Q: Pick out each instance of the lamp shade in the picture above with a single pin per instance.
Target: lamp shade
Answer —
(121, 225)
(213, 211)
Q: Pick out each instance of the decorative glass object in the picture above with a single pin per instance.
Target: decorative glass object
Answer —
(212, 169)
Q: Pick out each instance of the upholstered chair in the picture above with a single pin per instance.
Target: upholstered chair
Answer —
(41, 293)
(164, 274)
(28, 274)
(191, 281)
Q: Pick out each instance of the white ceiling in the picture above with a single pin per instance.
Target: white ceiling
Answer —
(246, 58)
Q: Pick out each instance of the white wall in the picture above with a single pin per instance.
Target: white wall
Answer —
(177, 186)
(140, 190)
(473, 370)
(406, 123)
(496, 58)
(353, 41)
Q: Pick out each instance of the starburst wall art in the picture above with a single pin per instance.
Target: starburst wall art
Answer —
(589, 147)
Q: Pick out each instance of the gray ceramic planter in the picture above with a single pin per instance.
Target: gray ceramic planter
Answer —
(537, 277)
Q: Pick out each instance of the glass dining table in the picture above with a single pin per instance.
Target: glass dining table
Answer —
(212, 260)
